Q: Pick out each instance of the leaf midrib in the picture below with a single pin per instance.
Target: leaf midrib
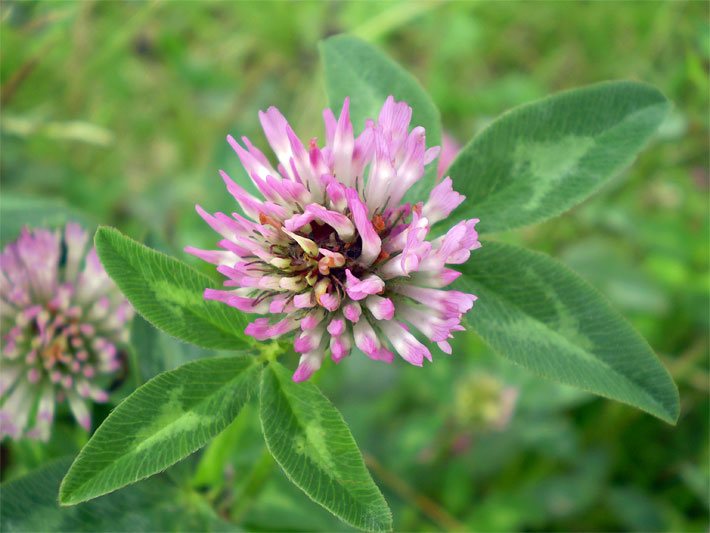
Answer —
(240, 375)
(555, 334)
(302, 427)
(502, 182)
(207, 317)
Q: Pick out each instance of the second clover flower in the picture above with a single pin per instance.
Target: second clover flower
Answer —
(333, 251)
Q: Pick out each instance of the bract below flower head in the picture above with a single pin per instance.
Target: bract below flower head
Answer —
(62, 322)
(332, 252)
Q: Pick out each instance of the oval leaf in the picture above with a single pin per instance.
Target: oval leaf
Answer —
(310, 440)
(541, 315)
(540, 159)
(163, 421)
(168, 293)
(356, 69)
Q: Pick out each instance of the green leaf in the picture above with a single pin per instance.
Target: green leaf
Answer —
(144, 342)
(209, 472)
(540, 159)
(542, 316)
(168, 293)
(356, 69)
(156, 352)
(310, 440)
(30, 504)
(281, 504)
(163, 421)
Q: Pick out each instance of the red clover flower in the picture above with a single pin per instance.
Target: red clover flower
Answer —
(61, 326)
(333, 251)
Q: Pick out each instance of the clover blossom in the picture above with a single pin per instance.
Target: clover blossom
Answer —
(61, 321)
(333, 252)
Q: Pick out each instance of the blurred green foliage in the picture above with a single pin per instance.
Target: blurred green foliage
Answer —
(120, 110)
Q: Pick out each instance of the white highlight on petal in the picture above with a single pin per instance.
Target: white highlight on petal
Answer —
(405, 343)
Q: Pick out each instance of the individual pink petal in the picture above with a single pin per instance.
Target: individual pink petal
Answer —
(261, 329)
(431, 154)
(359, 289)
(405, 343)
(308, 340)
(444, 347)
(75, 239)
(382, 174)
(454, 247)
(352, 311)
(442, 201)
(335, 192)
(216, 257)
(275, 128)
(336, 326)
(364, 148)
(343, 145)
(312, 319)
(339, 222)
(308, 364)
(331, 301)
(371, 243)
(256, 168)
(381, 308)
(435, 327)
(366, 339)
(304, 300)
(411, 167)
(394, 120)
(340, 347)
(330, 124)
(80, 410)
(250, 205)
(450, 148)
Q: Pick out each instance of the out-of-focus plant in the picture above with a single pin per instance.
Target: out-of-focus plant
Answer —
(63, 327)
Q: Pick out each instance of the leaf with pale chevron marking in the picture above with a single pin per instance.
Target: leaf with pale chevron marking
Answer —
(163, 421)
(169, 293)
(311, 442)
(541, 315)
(540, 159)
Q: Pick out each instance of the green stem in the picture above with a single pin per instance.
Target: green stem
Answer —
(428, 507)
(271, 351)
(251, 487)
(135, 368)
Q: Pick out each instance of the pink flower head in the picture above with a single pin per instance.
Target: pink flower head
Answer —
(332, 251)
(61, 324)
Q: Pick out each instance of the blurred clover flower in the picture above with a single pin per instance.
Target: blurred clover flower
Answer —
(450, 148)
(60, 324)
(484, 402)
(338, 255)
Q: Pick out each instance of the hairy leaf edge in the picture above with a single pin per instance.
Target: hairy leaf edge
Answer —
(670, 418)
(66, 501)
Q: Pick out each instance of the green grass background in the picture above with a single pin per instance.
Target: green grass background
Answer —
(120, 110)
